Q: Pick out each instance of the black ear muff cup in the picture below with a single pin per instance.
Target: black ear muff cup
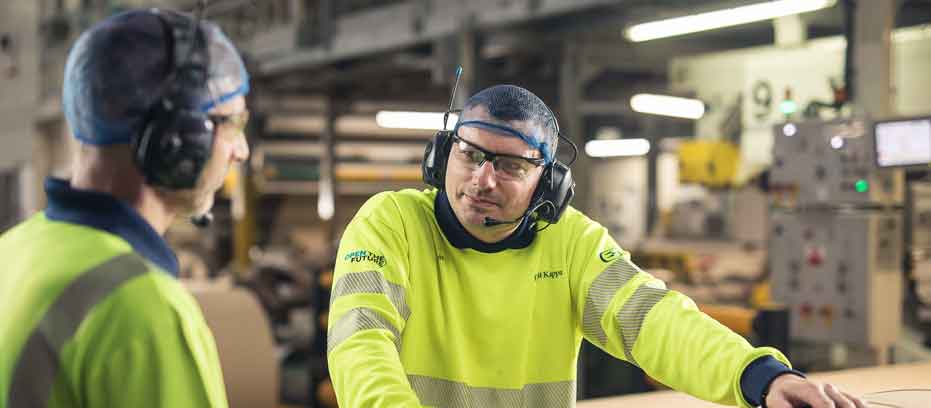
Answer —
(435, 156)
(177, 139)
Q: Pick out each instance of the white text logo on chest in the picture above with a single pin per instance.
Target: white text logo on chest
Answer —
(548, 275)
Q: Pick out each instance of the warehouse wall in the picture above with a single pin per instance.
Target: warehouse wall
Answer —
(19, 80)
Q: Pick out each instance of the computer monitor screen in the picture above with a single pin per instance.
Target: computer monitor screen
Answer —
(903, 142)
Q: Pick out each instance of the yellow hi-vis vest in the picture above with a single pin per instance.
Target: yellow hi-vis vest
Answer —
(85, 321)
(415, 321)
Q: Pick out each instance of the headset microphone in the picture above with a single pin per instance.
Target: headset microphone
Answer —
(491, 222)
(202, 220)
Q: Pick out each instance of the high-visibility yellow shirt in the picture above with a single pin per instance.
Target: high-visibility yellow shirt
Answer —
(415, 321)
(92, 318)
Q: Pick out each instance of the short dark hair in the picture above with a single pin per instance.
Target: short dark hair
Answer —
(513, 103)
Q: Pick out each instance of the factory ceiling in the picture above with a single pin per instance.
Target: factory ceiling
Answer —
(389, 49)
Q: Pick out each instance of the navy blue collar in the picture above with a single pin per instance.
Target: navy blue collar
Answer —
(105, 212)
(457, 235)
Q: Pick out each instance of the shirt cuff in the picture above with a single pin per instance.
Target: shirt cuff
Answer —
(757, 377)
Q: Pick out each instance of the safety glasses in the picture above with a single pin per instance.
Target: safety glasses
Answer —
(507, 166)
(236, 122)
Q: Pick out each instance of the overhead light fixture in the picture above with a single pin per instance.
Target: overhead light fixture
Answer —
(723, 18)
(837, 142)
(668, 106)
(617, 147)
(413, 120)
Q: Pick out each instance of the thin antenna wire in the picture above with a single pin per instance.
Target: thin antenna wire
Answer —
(452, 97)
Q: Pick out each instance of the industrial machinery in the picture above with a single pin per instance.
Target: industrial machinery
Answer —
(836, 233)
(839, 272)
(708, 162)
(750, 90)
(831, 164)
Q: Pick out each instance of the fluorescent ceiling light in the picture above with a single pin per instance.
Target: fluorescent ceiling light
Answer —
(413, 120)
(723, 18)
(668, 106)
(617, 147)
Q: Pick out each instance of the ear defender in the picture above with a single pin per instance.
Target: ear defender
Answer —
(174, 147)
(556, 188)
(555, 192)
(435, 157)
(175, 144)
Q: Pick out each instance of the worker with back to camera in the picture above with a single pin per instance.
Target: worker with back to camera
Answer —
(473, 295)
(93, 315)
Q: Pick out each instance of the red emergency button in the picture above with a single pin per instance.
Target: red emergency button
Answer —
(815, 256)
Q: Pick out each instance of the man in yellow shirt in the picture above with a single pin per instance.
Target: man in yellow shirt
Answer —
(472, 294)
(92, 315)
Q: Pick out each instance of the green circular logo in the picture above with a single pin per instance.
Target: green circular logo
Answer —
(609, 255)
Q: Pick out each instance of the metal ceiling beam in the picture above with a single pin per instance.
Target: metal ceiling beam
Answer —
(316, 105)
(400, 25)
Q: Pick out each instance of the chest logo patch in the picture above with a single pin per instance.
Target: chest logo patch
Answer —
(609, 255)
(364, 255)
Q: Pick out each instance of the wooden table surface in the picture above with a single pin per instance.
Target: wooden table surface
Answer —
(858, 382)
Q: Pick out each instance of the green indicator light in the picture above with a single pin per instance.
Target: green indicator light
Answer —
(862, 186)
(787, 107)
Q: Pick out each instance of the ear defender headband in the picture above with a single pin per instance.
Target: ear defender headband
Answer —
(177, 138)
(553, 193)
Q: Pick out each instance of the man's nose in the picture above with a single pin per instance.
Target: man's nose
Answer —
(485, 175)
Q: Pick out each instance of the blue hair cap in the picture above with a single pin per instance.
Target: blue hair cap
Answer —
(115, 74)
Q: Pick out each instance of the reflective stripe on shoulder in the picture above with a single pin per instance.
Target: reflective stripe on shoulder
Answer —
(602, 290)
(630, 317)
(372, 282)
(450, 394)
(356, 320)
(38, 362)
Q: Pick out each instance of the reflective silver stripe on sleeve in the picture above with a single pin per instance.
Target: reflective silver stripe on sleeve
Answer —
(38, 364)
(630, 317)
(372, 282)
(450, 394)
(356, 320)
(603, 289)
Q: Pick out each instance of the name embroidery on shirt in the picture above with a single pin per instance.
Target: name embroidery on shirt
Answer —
(548, 275)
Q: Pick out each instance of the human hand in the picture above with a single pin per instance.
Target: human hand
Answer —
(792, 391)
